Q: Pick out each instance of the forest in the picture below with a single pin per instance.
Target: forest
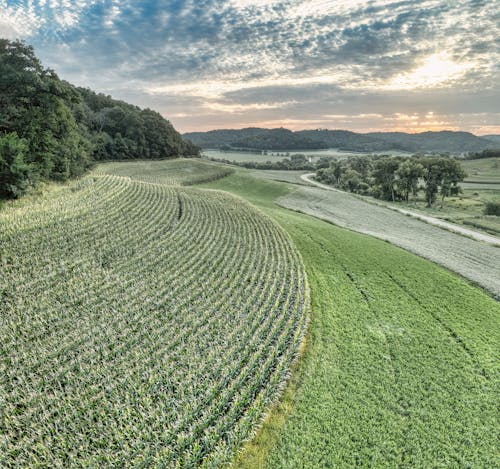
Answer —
(52, 130)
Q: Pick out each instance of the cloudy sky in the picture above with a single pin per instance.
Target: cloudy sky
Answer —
(411, 65)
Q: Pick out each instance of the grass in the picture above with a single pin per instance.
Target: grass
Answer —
(474, 260)
(401, 364)
(138, 325)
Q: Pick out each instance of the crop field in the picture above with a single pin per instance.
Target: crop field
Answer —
(485, 170)
(139, 327)
(401, 365)
(472, 259)
(175, 172)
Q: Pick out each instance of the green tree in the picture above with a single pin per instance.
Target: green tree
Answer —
(16, 176)
(408, 174)
(384, 175)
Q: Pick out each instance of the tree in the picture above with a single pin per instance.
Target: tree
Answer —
(408, 174)
(384, 176)
(16, 176)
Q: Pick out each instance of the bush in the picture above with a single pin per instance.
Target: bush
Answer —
(492, 208)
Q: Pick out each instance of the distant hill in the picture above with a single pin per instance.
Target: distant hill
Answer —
(255, 139)
(346, 140)
(492, 138)
(283, 139)
(446, 141)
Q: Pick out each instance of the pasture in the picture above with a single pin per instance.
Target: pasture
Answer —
(142, 324)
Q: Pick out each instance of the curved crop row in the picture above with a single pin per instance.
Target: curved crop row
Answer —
(175, 172)
(142, 324)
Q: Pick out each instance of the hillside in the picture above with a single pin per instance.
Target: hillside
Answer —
(443, 141)
(52, 130)
(283, 139)
(493, 138)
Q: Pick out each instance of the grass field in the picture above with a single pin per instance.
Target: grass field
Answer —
(472, 259)
(139, 327)
(401, 364)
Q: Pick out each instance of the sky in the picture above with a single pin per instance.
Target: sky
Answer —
(380, 65)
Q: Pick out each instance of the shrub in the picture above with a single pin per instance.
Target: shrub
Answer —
(492, 208)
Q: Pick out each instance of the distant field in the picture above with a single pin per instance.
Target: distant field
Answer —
(143, 325)
(272, 155)
(483, 170)
(183, 172)
(401, 365)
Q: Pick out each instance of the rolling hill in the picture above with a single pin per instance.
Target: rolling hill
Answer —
(283, 139)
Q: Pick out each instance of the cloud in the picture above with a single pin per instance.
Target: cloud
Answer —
(235, 61)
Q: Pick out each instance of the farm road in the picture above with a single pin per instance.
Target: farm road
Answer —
(473, 259)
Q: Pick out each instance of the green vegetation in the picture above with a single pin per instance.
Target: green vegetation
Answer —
(50, 129)
(184, 172)
(401, 365)
(139, 327)
(395, 178)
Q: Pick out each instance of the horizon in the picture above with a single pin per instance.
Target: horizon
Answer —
(363, 66)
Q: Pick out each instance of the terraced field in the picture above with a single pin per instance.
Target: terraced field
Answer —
(139, 327)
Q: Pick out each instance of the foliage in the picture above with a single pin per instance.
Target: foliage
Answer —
(64, 129)
(15, 174)
(491, 153)
(395, 178)
(143, 324)
(492, 208)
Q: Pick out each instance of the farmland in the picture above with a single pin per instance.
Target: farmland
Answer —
(472, 259)
(138, 325)
(158, 323)
(401, 365)
(180, 171)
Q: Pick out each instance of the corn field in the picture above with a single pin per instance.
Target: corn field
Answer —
(142, 325)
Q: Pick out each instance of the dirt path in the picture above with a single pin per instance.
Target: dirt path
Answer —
(490, 239)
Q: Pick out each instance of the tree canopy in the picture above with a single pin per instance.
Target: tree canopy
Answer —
(50, 129)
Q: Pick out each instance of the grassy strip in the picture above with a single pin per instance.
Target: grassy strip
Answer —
(401, 368)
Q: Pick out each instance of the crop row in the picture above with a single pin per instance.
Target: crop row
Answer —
(141, 324)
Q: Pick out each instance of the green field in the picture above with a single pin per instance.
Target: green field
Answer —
(157, 324)
(139, 327)
(175, 172)
(247, 156)
(401, 364)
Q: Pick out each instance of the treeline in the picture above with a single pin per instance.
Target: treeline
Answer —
(50, 129)
(395, 178)
(483, 154)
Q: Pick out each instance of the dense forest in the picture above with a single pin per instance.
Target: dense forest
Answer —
(283, 139)
(52, 130)
(395, 178)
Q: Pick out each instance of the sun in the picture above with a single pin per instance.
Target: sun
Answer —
(435, 70)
